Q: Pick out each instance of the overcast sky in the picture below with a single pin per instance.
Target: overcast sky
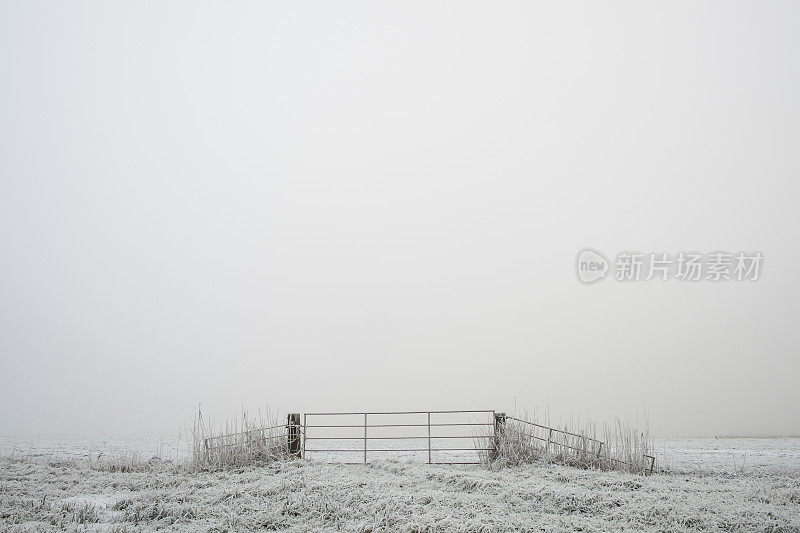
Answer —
(369, 205)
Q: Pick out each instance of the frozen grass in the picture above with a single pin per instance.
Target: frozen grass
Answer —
(242, 484)
(240, 441)
(40, 495)
(124, 463)
(527, 439)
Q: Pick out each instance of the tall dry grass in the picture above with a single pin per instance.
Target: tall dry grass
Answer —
(528, 439)
(240, 441)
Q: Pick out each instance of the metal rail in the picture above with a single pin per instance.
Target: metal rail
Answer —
(269, 434)
(549, 440)
(266, 435)
(248, 432)
(400, 412)
(551, 431)
(429, 436)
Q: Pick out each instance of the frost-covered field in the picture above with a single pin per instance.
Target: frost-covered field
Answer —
(748, 456)
(63, 489)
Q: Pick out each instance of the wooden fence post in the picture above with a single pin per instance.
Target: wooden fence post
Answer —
(499, 428)
(293, 434)
(652, 464)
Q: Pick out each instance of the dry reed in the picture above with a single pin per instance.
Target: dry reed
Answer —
(241, 441)
(529, 439)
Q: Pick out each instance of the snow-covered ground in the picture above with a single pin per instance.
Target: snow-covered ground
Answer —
(752, 456)
(49, 447)
(725, 484)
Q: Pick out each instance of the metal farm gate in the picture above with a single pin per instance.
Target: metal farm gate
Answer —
(435, 437)
(438, 437)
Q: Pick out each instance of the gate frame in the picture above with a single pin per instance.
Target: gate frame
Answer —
(430, 449)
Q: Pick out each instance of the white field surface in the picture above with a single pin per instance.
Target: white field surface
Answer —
(709, 484)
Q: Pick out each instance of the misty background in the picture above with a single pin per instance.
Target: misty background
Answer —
(378, 206)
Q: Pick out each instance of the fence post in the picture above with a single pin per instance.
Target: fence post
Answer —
(429, 438)
(293, 434)
(652, 464)
(499, 428)
(305, 433)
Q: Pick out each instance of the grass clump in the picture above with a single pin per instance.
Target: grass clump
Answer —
(124, 463)
(241, 441)
(527, 439)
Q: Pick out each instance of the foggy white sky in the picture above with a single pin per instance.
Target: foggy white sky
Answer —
(378, 206)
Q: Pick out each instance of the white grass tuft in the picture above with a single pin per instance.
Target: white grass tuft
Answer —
(529, 439)
(241, 441)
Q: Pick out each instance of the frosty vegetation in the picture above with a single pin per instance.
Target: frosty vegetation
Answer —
(526, 439)
(242, 441)
(109, 495)
(240, 477)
